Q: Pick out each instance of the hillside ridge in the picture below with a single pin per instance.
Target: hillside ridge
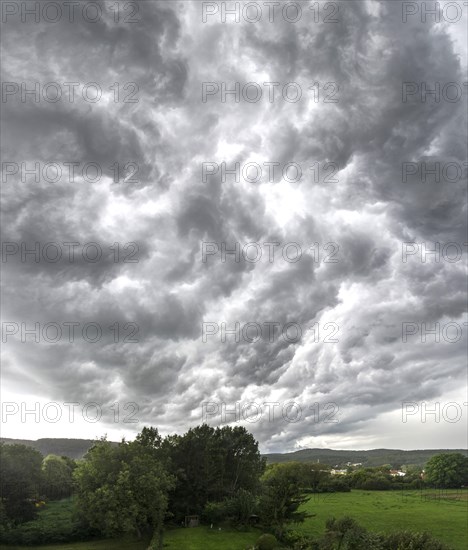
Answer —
(77, 448)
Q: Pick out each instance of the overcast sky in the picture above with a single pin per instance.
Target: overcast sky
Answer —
(328, 325)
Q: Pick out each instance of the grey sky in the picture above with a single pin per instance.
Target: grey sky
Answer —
(362, 134)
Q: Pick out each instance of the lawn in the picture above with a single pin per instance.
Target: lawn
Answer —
(203, 538)
(196, 538)
(128, 544)
(445, 515)
(57, 519)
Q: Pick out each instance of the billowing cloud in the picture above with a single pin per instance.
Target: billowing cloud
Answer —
(233, 221)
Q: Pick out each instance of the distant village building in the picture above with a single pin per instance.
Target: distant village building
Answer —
(396, 473)
(338, 472)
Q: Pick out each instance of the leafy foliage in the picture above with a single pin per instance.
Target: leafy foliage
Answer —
(267, 542)
(56, 522)
(371, 458)
(20, 478)
(282, 495)
(123, 489)
(132, 488)
(346, 534)
(447, 470)
(57, 473)
(211, 465)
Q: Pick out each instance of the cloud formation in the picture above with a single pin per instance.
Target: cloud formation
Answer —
(347, 186)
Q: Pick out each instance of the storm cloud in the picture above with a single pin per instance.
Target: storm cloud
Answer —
(252, 206)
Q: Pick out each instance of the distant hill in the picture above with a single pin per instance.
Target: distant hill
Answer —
(74, 448)
(77, 448)
(374, 457)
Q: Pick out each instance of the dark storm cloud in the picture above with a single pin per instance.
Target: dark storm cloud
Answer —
(367, 213)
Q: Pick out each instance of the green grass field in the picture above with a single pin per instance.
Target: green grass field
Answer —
(197, 538)
(128, 544)
(445, 515)
(200, 538)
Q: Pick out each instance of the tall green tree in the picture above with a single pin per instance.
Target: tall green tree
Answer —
(123, 489)
(315, 474)
(193, 464)
(20, 481)
(242, 462)
(282, 495)
(447, 470)
(211, 465)
(57, 477)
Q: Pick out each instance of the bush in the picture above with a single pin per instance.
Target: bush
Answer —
(216, 512)
(267, 542)
(346, 534)
(417, 484)
(334, 485)
(375, 483)
(55, 523)
(298, 541)
(406, 540)
(242, 505)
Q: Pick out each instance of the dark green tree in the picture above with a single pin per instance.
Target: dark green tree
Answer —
(282, 495)
(57, 477)
(346, 534)
(447, 470)
(211, 465)
(20, 481)
(315, 475)
(123, 489)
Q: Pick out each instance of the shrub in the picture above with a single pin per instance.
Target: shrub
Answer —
(216, 512)
(417, 484)
(334, 486)
(375, 483)
(267, 542)
(242, 505)
(298, 541)
(406, 540)
(346, 534)
(54, 523)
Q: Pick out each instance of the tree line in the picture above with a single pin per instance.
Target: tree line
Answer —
(216, 474)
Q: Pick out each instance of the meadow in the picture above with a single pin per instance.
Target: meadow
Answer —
(444, 514)
(197, 538)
